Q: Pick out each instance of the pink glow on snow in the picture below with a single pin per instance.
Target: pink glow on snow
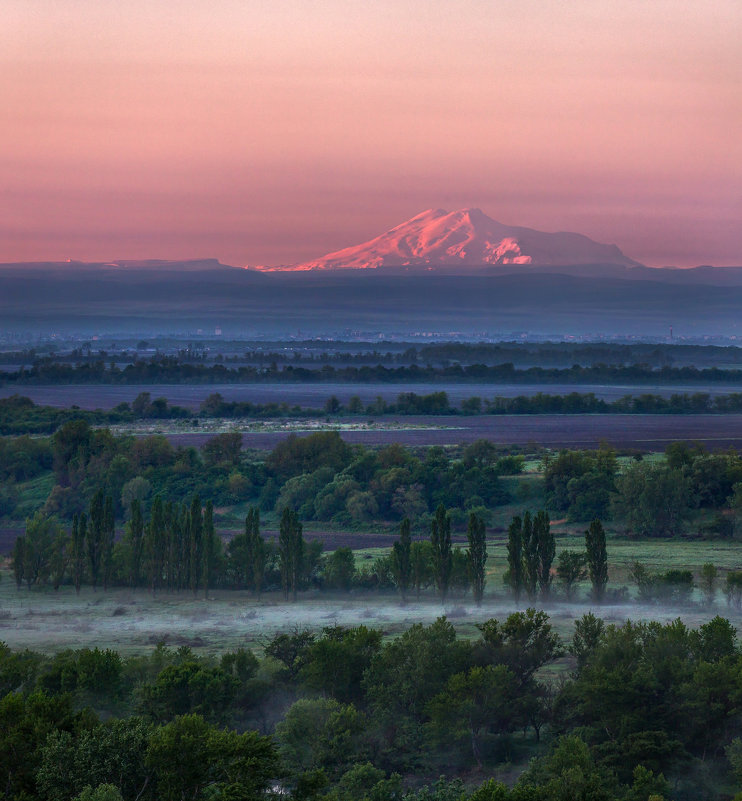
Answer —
(465, 237)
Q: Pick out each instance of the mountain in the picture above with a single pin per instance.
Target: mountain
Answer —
(468, 238)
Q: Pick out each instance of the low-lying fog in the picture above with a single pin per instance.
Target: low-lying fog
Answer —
(135, 621)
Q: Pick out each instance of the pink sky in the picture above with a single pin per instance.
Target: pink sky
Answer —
(269, 131)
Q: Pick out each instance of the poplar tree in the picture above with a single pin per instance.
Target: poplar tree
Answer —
(476, 555)
(170, 525)
(515, 575)
(256, 551)
(174, 517)
(420, 565)
(155, 534)
(94, 536)
(109, 536)
(135, 535)
(79, 533)
(59, 558)
(545, 549)
(196, 544)
(184, 570)
(402, 558)
(290, 552)
(530, 557)
(209, 546)
(440, 540)
(597, 558)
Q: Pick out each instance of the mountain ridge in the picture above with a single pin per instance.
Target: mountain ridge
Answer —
(438, 240)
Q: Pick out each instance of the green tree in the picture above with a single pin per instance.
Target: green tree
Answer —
(569, 773)
(402, 559)
(335, 663)
(515, 574)
(290, 552)
(421, 566)
(531, 562)
(79, 534)
(405, 676)
(96, 536)
(37, 548)
(597, 558)
(571, 569)
(440, 540)
(190, 756)
(71, 445)
(476, 556)
(60, 556)
(340, 569)
(26, 720)
(209, 547)
(654, 499)
(135, 539)
(525, 642)
(256, 552)
(480, 702)
(545, 550)
(156, 544)
(103, 792)
(109, 753)
(290, 650)
(296, 455)
(109, 535)
(188, 687)
(588, 635)
(321, 734)
(196, 544)
(223, 449)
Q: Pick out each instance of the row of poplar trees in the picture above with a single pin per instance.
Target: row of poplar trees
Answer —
(254, 553)
(531, 550)
(407, 559)
(175, 549)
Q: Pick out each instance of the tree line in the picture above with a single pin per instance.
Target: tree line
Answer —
(177, 549)
(171, 369)
(20, 415)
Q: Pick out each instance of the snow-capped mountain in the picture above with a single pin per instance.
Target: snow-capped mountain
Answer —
(470, 238)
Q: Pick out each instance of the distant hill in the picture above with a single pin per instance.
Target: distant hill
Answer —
(464, 241)
(147, 265)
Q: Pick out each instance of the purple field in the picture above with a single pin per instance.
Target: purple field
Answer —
(642, 431)
(90, 396)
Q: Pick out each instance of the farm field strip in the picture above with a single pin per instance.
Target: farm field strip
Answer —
(643, 431)
(106, 396)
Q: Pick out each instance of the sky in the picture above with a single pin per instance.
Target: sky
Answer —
(274, 131)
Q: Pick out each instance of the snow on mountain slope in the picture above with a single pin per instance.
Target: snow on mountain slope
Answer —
(469, 237)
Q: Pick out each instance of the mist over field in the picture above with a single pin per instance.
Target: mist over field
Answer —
(135, 622)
